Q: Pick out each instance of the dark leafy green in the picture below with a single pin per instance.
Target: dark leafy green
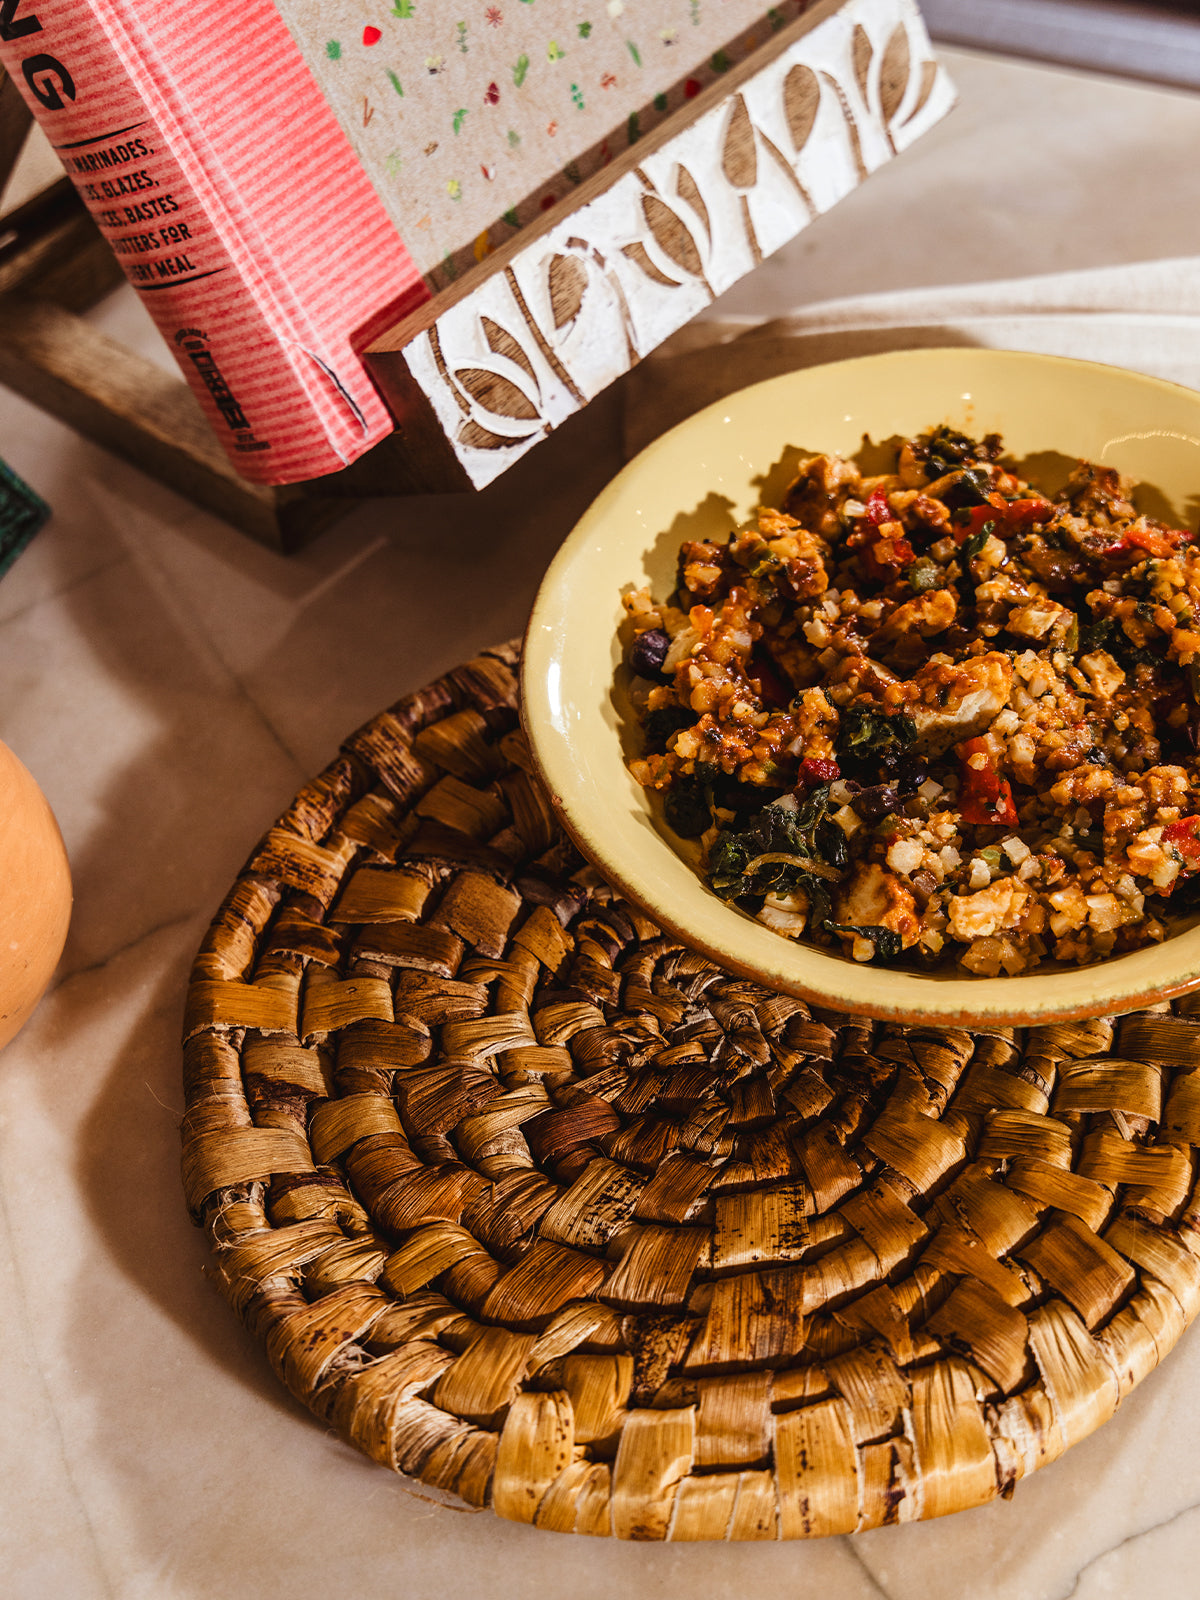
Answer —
(970, 487)
(1095, 635)
(659, 725)
(1184, 897)
(688, 806)
(1107, 634)
(777, 850)
(888, 943)
(867, 733)
(972, 546)
(948, 450)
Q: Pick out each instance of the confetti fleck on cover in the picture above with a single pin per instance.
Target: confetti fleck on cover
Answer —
(471, 120)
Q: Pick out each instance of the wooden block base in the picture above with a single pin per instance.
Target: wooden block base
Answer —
(54, 265)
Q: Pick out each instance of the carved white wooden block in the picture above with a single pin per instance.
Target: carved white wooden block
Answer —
(579, 305)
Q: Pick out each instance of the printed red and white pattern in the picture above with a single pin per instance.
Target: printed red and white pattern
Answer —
(213, 165)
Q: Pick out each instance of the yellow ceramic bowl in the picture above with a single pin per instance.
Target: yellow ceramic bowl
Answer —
(700, 480)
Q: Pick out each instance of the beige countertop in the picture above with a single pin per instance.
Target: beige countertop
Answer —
(172, 685)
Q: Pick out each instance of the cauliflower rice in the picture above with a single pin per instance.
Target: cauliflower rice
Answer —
(933, 714)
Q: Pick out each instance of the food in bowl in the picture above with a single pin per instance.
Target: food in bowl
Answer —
(934, 715)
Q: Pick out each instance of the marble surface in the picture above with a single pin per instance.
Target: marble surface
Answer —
(172, 685)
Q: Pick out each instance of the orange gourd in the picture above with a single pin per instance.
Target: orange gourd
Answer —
(35, 894)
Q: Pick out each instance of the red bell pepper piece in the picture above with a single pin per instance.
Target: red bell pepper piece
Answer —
(1010, 516)
(1024, 513)
(817, 769)
(882, 560)
(1184, 836)
(878, 509)
(886, 559)
(984, 797)
(1159, 542)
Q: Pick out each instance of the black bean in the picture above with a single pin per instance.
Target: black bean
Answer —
(874, 804)
(898, 768)
(913, 775)
(649, 652)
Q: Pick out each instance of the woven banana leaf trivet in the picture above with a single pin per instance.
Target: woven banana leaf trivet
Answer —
(539, 1207)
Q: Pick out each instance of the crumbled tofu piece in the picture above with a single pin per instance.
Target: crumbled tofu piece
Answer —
(1070, 909)
(682, 646)
(956, 702)
(981, 873)
(786, 914)
(994, 552)
(1148, 858)
(1084, 783)
(1103, 673)
(1106, 912)
(1038, 619)
(927, 614)
(875, 897)
(1001, 905)
(905, 856)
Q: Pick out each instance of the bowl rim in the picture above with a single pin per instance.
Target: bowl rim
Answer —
(989, 1007)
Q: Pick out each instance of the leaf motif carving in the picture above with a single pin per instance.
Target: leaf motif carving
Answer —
(688, 190)
(739, 158)
(929, 72)
(801, 102)
(862, 54)
(672, 236)
(785, 166)
(626, 319)
(502, 342)
(539, 338)
(483, 439)
(568, 282)
(637, 253)
(435, 344)
(893, 76)
(860, 165)
(496, 394)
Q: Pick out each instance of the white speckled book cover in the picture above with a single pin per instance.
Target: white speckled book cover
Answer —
(471, 118)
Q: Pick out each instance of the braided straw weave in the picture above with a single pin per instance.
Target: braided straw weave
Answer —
(538, 1206)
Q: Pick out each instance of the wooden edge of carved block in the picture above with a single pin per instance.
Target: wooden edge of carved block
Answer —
(482, 373)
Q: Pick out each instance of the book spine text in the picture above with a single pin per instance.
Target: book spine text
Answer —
(282, 389)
